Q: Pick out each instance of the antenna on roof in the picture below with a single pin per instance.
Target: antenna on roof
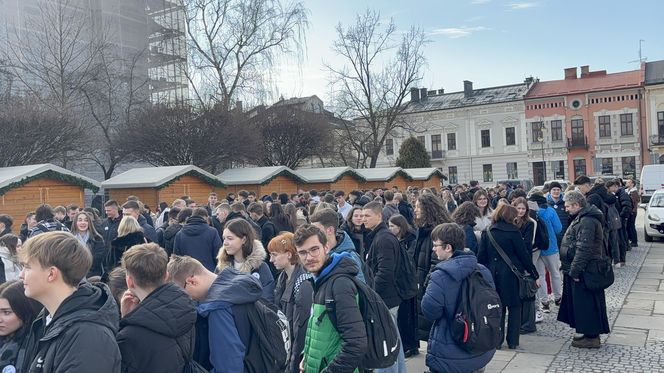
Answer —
(641, 58)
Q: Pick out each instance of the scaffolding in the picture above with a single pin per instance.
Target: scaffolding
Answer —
(167, 53)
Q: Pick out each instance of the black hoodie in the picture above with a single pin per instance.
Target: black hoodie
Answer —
(81, 336)
(198, 240)
(599, 197)
(159, 333)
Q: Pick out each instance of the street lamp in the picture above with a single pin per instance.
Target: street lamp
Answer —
(540, 138)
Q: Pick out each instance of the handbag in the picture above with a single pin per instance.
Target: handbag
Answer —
(527, 285)
(598, 274)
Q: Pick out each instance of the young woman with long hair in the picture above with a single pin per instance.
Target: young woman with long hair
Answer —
(9, 246)
(83, 228)
(17, 312)
(466, 216)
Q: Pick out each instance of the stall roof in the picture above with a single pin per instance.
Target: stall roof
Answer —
(382, 174)
(157, 177)
(256, 175)
(423, 173)
(12, 177)
(327, 175)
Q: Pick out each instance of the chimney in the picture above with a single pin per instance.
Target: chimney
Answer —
(585, 71)
(467, 88)
(423, 93)
(238, 106)
(529, 80)
(570, 73)
(414, 95)
(441, 91)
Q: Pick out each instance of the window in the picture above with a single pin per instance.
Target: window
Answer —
(452, 175)
(659, 139)
(486, 139)
(451, 141)
(512, 172)
(559, 170)
(510, 136)
(537, 131)
(629, 167)
(607, 166)
(422, 140)
(604, 126)
(436, 147)
(556, 130)
(626, 127)
(578, 134)
(579, 167)
(487, 173)
(389, 146)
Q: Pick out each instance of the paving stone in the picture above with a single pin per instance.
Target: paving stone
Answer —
(635, 312)
(647, 281)
(639, 303)
(649, 295)
(529, 363)
(659, 307)
(628, 337)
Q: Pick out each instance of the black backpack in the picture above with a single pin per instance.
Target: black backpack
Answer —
(383, 340)
(476, 325)
(541, 234)
(270, 342)
(406, 277)
(190, 365)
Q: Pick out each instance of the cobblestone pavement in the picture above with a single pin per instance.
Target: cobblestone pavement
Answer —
(635, 305)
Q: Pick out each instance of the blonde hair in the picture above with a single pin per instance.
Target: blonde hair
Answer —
(128, 224)
(60, 250)
(181, 267)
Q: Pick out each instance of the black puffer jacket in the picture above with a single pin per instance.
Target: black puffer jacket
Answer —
(424, 264)
(159, 333)
(169, 237)
(583, 241)
(81, 336)
(198, 240)
(382, 260)
(559, 207)
(599, 197)
(625, 208)
(98, 250)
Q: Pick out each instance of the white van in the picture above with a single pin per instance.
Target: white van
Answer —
(652, 178)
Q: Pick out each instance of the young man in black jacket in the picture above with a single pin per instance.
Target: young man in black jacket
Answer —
(75, 332)
(157, 326)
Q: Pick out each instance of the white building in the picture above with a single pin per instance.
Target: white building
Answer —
(654, 87)
(477, 134)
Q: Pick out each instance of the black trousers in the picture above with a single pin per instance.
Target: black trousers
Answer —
(512, 330)
(407, 323)
(631, 228)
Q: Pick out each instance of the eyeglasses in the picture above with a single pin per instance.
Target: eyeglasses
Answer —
(443, 244)
(313, 252)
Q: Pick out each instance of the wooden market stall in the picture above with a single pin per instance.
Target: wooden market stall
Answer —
(163, 184)
(330, 178)
(261, 180)
(429, 177)
(386, 177)
(24, 188)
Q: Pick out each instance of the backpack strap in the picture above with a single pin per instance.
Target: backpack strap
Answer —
(502, 254)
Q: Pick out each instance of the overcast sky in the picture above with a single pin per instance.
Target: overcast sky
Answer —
(491, 42)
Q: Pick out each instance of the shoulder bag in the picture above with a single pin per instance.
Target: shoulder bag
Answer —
(527, 285)
(598, 274)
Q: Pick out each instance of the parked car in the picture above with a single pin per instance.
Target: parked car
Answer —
(653, 223)
(652, 179)
(526, 184)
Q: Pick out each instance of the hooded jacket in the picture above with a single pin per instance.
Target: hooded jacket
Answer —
(599, 196)
(148, 230)
(559, 207)
(169, 237)
(552, 222)
(81, 336)
(255, 265)
(583, 241)
(382, 259)
(225, 308)
(345, 244)
(424, 263)
(388, 211)
(335, 347)
(293, 296)
(406, 211)
(158, 335)
(198, 240)
(439, 305)
(626, 205)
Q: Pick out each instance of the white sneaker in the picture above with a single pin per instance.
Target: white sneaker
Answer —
(539, 317)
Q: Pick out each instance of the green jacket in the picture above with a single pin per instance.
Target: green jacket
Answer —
(328, 348)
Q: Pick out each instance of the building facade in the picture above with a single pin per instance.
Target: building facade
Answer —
(654, 91)
(592, 124)
(476, 134)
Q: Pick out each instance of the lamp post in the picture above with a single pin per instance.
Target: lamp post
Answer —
(540, 138)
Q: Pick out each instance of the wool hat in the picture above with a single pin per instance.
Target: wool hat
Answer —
(555, 184)
(582, 180)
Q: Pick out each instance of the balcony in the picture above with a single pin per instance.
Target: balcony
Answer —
(657, 139)
(437, 154)
(577, 142)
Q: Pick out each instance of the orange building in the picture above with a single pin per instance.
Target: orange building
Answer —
(592, 124)
(163, 184)
(330, 178)
(24, 188)
(425, 177)
(261, 180)
(386, 177)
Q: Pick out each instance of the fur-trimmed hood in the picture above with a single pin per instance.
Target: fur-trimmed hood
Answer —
(251, 264)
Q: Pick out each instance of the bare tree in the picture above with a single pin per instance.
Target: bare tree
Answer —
(33, 133)
(234, 43)
(180, 134)
(380, 67)
(289, 136)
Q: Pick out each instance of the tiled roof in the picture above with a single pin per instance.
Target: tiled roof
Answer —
(482, 96)
(655, 72)
(256, 175)
(19, 174)
(154, 177)
(381, 174)
(326, 175)
(626, 79)
(423, 173)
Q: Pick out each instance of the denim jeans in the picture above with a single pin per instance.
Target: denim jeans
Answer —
(400, 365)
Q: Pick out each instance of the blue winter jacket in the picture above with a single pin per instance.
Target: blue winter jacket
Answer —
(471, 239)
(553, 227)
(228, 324)
(345, 245)
(198, 240)
(439, 304)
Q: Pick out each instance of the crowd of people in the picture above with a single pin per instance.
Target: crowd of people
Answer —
(180, 289)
